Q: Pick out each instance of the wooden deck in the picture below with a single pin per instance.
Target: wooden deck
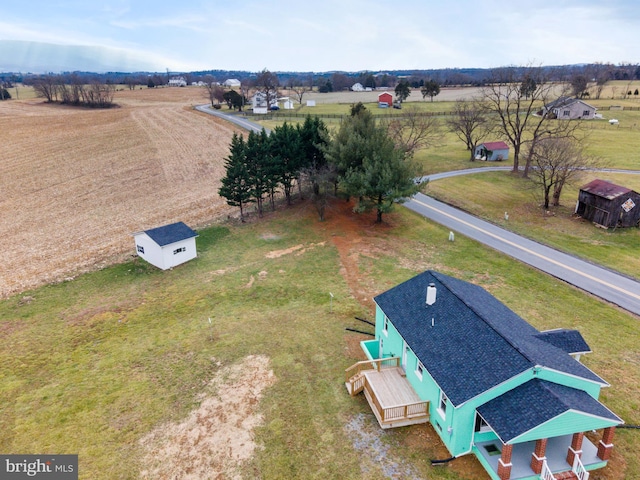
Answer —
(390, 395)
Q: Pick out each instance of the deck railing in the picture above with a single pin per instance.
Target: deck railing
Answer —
(390, 414)
(377, 365)
(578, 469)
(546, 473)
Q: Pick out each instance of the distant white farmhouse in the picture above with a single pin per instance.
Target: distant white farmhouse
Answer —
(168, 246)
(357, 87)
(177, 82)
(231, 82)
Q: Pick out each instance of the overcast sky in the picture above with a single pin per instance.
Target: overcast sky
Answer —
(325, 35)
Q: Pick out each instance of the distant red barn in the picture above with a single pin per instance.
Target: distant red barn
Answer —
(608, 204)
(385, 97)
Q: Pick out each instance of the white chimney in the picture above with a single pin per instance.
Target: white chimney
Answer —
(431, 294)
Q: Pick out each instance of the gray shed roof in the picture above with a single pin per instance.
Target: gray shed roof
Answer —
(476, 342)
(169, 234)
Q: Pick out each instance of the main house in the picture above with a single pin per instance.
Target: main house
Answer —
(449, 353)
(567, 108)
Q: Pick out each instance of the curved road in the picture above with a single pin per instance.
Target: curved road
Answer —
(236, 118)
(604, 283)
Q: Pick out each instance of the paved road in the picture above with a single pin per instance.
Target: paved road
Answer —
(606, 284)
(237, 118)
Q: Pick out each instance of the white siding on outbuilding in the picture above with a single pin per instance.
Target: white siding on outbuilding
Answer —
(168, 246)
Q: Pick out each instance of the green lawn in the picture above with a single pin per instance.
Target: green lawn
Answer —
(91, 365)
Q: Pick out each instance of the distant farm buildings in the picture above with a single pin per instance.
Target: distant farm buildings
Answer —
(609, 205)
(385, 100)
(177, 82)
(231, 82)
(167, 246)
(566, 108)
(492, 151)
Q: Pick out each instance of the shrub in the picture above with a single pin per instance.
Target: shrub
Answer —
(4, 94)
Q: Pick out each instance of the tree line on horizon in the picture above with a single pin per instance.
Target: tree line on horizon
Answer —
(340, 80)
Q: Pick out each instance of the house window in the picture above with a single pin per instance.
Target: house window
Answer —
(419, 370)
(481, 425)
(385, 326)
(566, 113)
(442, 407)
(140, 249)
(585, 113)
(179, 250)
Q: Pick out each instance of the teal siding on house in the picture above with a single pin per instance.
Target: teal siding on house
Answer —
(488, 360)
(425, 387)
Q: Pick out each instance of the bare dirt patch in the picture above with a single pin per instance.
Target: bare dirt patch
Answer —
(76, 183)
(215, 439)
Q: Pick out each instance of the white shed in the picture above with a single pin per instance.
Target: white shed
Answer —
(167, 246)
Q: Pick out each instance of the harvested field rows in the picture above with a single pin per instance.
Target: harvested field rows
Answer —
(76, 183)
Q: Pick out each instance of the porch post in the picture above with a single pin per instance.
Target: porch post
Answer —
(504, 464)
(606, 444)
(575, 450)
(538, 456)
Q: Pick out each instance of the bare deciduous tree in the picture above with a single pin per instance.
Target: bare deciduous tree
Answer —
(46, 86)
(470, 122)
(514, 96)
(300, 86)
(558, 162)
(268, 84)
(414, 130)
(214, 92)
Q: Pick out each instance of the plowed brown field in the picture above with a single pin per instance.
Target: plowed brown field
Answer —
(76, 183)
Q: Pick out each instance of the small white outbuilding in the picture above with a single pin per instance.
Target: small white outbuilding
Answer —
(167, 246)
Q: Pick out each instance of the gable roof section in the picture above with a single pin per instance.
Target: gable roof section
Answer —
(604, 189)
(566, 102)
(571, 341)
(169, 234)
(476, 342)
(535, 402)
(495, 146)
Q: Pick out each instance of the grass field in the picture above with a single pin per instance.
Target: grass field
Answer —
(92, 366)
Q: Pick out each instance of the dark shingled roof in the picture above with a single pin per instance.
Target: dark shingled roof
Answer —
(476, 342)
(169, 234)
(535, 402)
(571, 341)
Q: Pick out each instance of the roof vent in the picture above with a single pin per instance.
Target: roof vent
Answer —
(431, 294)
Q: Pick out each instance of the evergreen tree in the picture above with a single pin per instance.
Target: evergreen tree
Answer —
(236, 185)
(258, 167)
(370, 166)
(288, 155)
